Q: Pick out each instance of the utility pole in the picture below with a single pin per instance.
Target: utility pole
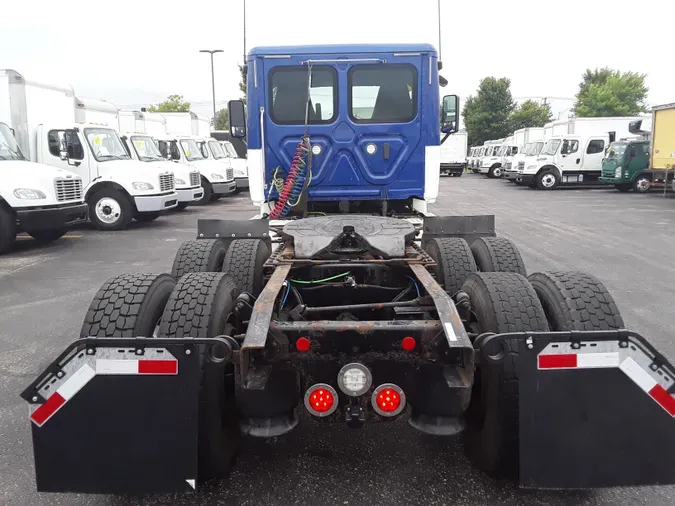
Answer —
(244, 32)
(213, 80)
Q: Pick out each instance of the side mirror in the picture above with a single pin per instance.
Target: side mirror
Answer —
(69, 146)
(237, 115)
(450, 114)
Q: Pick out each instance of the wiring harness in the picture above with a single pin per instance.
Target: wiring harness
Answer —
(290, 190)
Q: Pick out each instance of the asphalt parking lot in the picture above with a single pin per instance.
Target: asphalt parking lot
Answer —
(625, 239)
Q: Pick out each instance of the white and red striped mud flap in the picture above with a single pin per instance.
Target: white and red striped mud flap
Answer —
(83, 367)
(631, 359)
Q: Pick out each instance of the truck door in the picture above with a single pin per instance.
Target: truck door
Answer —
(77, 153)
(363, 122)
(569, 158)
(593, 154)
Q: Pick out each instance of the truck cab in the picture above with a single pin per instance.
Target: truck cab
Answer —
(141, 146)
(626, 165)
(512, 163)
(35, 198)
(217, 180)
(239, 165)
(491, 161)
(508, 151)
(369, 115)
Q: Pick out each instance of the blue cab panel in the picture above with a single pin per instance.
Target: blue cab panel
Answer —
(373, 109)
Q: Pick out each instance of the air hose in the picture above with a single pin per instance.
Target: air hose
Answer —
(291, 189)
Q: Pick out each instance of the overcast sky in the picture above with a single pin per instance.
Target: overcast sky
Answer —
(136, 52)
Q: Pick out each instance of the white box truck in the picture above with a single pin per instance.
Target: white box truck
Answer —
(453, 154)
(491, 162)
(576, 156)
(180, 144)
(141, 146)
(116, 188)
(521, 139)
(38, 199)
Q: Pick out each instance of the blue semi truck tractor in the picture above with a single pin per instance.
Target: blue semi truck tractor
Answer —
(345, 300)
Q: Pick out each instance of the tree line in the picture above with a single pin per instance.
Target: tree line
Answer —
(493, 114)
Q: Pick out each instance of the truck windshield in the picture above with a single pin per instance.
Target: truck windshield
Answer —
(192, 152)
(145, 148)
(229, 148)
(551, 147)
(217, 150)
(616, 149)
(105, 144)
(526, 150)
(536, 148)
(9, 149)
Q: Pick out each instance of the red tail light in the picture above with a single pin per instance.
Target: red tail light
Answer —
(388, 399)
(408, 343)
(321, 399)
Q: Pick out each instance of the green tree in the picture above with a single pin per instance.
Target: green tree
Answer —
(607, 92)
(529, 114)
(486, 115)
(243, 70)
(222, 120)
(173, 103)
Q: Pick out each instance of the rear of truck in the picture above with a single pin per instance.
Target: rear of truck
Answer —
(341, 309)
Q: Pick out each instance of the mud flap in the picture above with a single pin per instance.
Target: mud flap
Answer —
(117, 416)
(596, 410)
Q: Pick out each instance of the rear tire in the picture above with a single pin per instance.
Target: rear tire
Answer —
(201, 306)
(201, 255)
(497, 254)
(454, 262)
(244, 261)
(47, 236)
(7, 229)
(502, 302)
(576, 301)
(110, 209)
(129, 305)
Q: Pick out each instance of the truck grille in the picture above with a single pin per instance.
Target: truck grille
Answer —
(195, 179)
(521, 165)
(166, 182)
(68, 189)
(230, 174)
(507, 166)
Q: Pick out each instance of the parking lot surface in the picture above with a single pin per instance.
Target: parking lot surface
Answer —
(626, 240)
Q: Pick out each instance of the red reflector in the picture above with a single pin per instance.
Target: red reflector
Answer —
(408, 343)
(158, 367)
(562, 361)
(321, 400)
(302, 344)
(51, 406)
(388, 400)
(666, 401)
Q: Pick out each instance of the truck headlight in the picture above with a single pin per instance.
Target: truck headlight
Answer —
(142, 186)
(180, 181)
(217, 176)
(617, 172)
(531, 168)
(240, 172)
(29, 194)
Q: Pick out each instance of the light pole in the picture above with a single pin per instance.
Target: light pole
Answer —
(213, 80)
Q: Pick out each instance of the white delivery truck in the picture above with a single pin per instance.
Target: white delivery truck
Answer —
(576, 156)
(521, 138)
(453, 154)
(141, 146)
(491, 162)
(116, 188)
(217, 179)
(34, 198)
(239, 165)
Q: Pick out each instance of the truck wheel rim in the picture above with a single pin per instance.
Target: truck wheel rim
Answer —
(497, 172)
(548, 180)
(643, 184)
(108, 210)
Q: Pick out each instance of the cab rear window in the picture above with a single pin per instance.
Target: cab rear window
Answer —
(288, 94)
(383, 93)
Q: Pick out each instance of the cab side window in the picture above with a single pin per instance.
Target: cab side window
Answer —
(55, 140)
(595, 146)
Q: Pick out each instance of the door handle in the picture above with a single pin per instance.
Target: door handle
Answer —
(578, 160)
(385, 151)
